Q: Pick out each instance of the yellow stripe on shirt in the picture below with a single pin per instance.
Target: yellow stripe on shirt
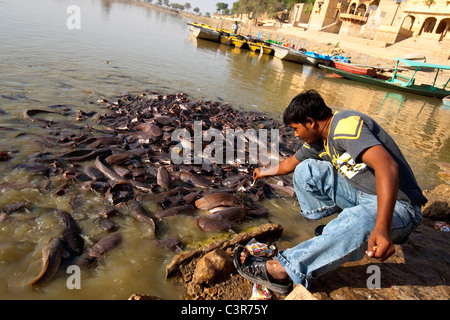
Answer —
(348, 128)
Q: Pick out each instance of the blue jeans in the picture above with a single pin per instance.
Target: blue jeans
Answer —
(322, 191)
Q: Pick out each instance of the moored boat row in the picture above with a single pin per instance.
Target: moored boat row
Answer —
(337, 64)
(255, 44)
(227, 37)
(293, 54)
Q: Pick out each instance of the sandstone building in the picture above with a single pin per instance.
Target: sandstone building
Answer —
(386, 21)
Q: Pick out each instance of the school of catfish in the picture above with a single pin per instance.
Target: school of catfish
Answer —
(126, 158)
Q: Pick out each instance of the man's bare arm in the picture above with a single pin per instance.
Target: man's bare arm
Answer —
(284, 167)
(380, 245)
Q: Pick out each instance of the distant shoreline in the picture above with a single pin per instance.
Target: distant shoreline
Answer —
(359, 53)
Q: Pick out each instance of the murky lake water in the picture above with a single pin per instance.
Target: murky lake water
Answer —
(125, 48)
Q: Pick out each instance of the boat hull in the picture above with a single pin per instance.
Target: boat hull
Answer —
(258, 47)
(288, 54)
(205, 33)
(267, 50)
(353, 69)
(225, 40)
(424, 90)
(238, 43)
(446, 101)
(317, 59)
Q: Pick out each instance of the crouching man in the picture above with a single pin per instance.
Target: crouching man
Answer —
(349, 166)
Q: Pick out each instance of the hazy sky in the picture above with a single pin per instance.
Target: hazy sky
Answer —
(205, 5)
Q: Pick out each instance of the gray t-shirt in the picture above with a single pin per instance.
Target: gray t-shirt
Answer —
(351, 133)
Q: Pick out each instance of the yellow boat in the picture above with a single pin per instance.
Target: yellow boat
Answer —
(238, 43)
(204, 31)
(226, 40)
(259, 46)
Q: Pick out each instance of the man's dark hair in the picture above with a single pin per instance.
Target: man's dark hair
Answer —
(308, 104)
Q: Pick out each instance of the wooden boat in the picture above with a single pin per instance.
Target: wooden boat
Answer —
(288, 54)
(226, 40)
(203, 31)
(415, 56)
(239, 42)
(446, 101)
(353, 68)
(267, 49)
(260, 47)
(315, 58)
(400, 82)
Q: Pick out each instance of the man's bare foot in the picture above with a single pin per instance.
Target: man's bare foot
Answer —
(274, 268)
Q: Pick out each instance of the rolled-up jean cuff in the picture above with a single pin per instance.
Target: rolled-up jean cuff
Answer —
(296, 276)
(320, 213)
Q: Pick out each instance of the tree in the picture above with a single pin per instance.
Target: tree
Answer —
(221, 6)
(288, 3)
(309, 6)
(197, 10)
(258, 7)
(177, 6)
(269, 7)
(235, 8)
(166, 3)
(187, 5)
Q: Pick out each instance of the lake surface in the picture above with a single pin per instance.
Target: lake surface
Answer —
(127, 48)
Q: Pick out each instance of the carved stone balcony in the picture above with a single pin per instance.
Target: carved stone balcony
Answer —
(353, 18)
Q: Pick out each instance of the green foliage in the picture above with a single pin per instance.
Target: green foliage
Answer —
(258, 7)
(221, 7)
(177, 6)
(235, 8)
(271, 7)
(288, 3)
